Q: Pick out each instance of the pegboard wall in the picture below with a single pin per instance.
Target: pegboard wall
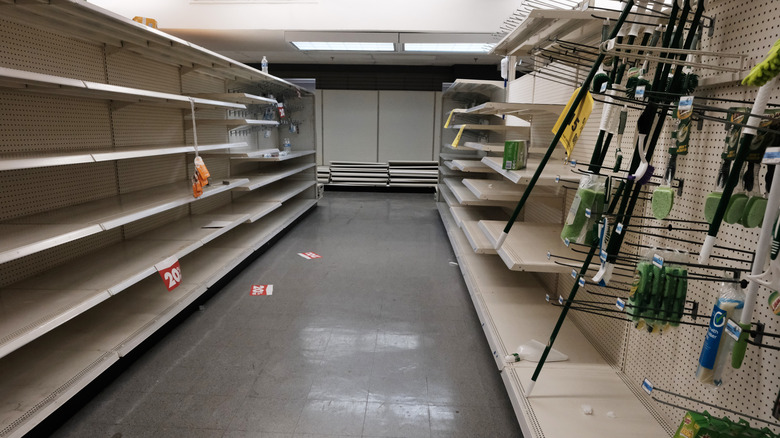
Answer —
(669, 360)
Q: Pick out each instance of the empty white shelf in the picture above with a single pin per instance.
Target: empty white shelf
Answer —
(237, 123)
(31, 234)
(468, 89)
(33, 387)
(500, 190)
(465, 197)
(258, 157)
(33, 307)
(252, 236)
(447, 171)
(527, 244)
(471, 166)
(496, 128)
(449, 198)
(522, 110)
(139, 152)
(486, 147)
(555, 168)
(272, 174)
(245, 98)
(42, 83)
(467, 154)
(277, 192)
(475, 214)
(30, 161)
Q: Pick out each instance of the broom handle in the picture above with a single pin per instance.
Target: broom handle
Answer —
(566, 120)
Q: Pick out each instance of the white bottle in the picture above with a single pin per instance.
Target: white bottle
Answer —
(264, 64)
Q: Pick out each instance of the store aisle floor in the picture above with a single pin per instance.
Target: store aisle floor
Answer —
(378, 338)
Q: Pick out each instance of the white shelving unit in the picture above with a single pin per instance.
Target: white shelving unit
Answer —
(554, 170)
(96, 164)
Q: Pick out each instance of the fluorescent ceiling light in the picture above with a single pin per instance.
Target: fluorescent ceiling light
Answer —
(344, 46)
(447, 47)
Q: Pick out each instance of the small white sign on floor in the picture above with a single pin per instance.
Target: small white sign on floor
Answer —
(262, 290)
(309, 255)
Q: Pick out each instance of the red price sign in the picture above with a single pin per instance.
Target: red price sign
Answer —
(170, 271)
(309, 255)
(261, 290)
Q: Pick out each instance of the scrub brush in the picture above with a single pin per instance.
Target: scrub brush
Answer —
(766, 69)
(644, 125)
(599, 80)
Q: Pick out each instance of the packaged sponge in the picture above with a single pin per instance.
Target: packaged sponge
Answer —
(585, 212)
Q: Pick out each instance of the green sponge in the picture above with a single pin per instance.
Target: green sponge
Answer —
(753, 216)
(711, 205)
(663, 199)
(735, 208)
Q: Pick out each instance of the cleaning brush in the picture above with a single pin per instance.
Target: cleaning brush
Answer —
(644, 125)
(766, 69)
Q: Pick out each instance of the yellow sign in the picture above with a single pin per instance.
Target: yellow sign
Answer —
(457, 138)
(572, 132)
(447, 124)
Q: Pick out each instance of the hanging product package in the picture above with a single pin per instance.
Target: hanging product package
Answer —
(656, 300)
(582, 221)
(718, 344)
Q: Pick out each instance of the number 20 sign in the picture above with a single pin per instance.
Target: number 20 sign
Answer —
(170, 271)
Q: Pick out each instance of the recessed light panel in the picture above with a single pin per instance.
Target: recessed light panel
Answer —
(447, 47)
(337, 46)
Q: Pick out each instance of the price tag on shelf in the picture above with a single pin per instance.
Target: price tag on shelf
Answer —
(547, 297)
(581, 282)
(560, 300)
(603, 87)
(639, 93)
(261, 290)
(170, 271)
(619, 228)
(620, 304)
(686, 104)
(733, 329)
(309, 255)
(549, 255)
(566, 241)
(573, 273)
(658, 261)
(588, 213)
(647, 386)
(557, 179)
(603, 256)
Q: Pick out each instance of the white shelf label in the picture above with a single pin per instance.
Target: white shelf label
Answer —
(560, 300)
(603, 255)
(557, 179)
(573, 273)
(603, 87)
(582, 282)
(549, 255)
(733, 329)
(647, 386)
(658, 261)
(619, 228)
(620, 304)
(566, 241)
(547, 297)
(640, 92)
(588, 213)
(686, 104)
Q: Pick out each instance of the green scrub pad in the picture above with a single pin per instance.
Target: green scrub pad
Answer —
(663, 199)
(711, 205)
(576, 219)
(753, 216)
(735, 208)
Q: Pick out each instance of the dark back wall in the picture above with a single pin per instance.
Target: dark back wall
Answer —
(383, 77)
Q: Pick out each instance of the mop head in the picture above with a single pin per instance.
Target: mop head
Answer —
(663, 199)
(736, 208)
(753, 216)
(766, 69)
(691, 82)
(710, 205)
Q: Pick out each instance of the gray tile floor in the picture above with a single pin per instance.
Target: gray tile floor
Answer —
(378, 338)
